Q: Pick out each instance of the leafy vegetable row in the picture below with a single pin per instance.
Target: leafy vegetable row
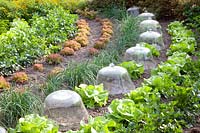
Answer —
(166, 102)
(25, 42)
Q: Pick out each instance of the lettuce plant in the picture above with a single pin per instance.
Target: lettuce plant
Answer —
(92, 95)
(154, 51)
(135, 70)
(34, 123)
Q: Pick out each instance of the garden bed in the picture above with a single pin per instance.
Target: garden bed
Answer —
(165, 100)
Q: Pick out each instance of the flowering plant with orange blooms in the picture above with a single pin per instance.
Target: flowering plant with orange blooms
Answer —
(93, 51)
(99, 44)
(107, 30)
(72, 44)
(106, 34)
(20, 77)
(84, 31)
(90, 14)
(38, 67)
(82, 40)
(54, 59)
(67, 51)
(3, 83)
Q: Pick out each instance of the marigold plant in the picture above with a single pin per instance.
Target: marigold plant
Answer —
(83, 26)
(82, 40)
(20, 77)
(104, 39)
(67, 51)
(38, 67)
(84, 31)
(3, 83)
(93, 51)
(107, 30)
(54, 59)
(106, 35)
(81, 21)
(99, 45)
(72, 44)
(107, 26)
(90, 14)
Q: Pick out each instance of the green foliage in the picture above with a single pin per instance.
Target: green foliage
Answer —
(99, 124)
(4, 26)
(15, 104)
(33, 123)
(54, 84)
(129, 33)
(191, 12)
(153, 49)
(7, 10)
(145, 95)
(168, 101)
(19, 47)
(135, 70)
(23, 43)
(182, 39)
(32, 8)
(73, 5)
(124, 111)
(146, 116)
(113, 12)
(86, 72)
(92, 95)
(56, 27)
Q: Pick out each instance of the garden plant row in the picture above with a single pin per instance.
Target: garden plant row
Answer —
(167, 102)
(26, 41)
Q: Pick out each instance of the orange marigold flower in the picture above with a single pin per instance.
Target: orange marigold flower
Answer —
(84, 31)
(107, 23)
(20, 77)
(3, 83)
(99, 45)
(93, 51)
(54, 59)
(104, 39)
(82, 40)
(106, 35)
(107, 30)
(67, 51)
(73, 44)
(83, 27)
(38, 67)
